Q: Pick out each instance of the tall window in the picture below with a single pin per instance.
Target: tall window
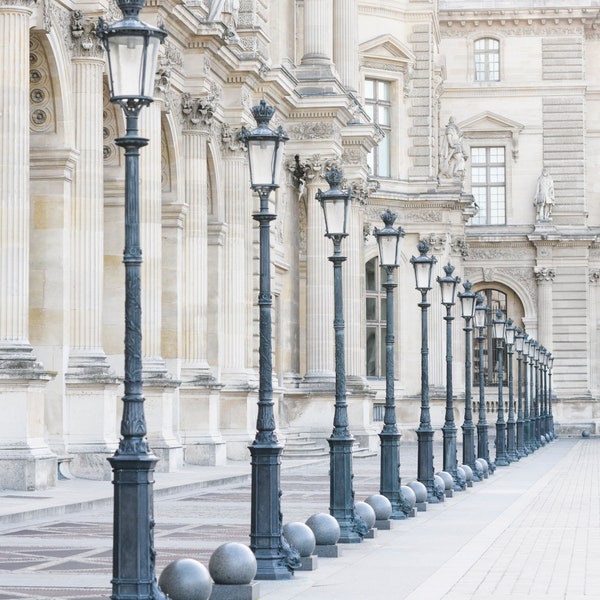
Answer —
(378, 105)
(487, 60)
(376, 321)
(495, 300)
(488, 185)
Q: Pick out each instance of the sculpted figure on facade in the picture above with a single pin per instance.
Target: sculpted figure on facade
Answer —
(452, 154)
(226, 11)
(544, 196)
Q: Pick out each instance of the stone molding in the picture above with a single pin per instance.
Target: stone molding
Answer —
(42, 110)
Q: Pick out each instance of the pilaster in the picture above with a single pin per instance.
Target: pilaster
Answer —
(545, 277)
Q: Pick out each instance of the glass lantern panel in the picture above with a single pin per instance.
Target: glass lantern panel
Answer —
(335, 215)
(126, 68)
(261, 154)
(388, 245)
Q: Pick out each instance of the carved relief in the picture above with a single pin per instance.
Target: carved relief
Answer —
(42, 110)
(165, 162)
(229, 139)
(437, 241)
(459, 245)
(594, 275)
(305, 170)
(362, 189)
(426, 216)
(109, 130)
(197, 113)
(312, 131)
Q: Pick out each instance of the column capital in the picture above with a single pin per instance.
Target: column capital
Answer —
(197, 113)
(24, 4)
(84, 42)
(543, 274)
(230, 144)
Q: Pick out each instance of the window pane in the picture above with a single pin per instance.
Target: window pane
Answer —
(382, 308)
(370, 275)
(371, 352)
(383, 166)
(383, 90)
(369, 89)
(371, 309)
(384, 115)
(382, 356)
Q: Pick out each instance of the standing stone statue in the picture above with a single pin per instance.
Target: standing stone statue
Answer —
(224, 10)
(544, 196)
(452, 154)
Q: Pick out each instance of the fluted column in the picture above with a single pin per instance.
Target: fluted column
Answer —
(25, 460)
(318, 32)
(320, 367)
(345, 48)
(544, 277)
(159, 387)
(91, 387)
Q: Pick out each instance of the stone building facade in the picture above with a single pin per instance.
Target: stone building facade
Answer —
(443, 111)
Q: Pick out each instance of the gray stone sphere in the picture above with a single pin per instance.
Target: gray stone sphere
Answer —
(365, 512)
(232, 564)
(186, 579)
(439, 485)
(325, 527)
(447, 479)
(408, 495)
(483, 463)
(419, 489)
(301, 537)
(468, 472)
(381, 505)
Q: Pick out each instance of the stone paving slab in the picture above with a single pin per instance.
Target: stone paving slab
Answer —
(531, 530)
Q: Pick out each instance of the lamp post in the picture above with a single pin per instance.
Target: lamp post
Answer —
(274, 558)
(467, 302)
(448, 285)
(532, 397)
(423, 265)
(536, 395)
(499, 325)
(388, 240)
(132, 51)
(341, 495)
(519, 346)
(511, 424)
(483, 450)
(550, 415)
(526, 414)
(544, 372)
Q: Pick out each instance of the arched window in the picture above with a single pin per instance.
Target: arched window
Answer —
(486, 52)
(495, 300)
(375, 316)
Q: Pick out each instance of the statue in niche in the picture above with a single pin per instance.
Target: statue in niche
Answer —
(452, 154)
(224, 10)
(544, 196)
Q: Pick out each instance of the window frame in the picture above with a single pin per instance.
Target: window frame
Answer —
(489, 185)
(387, 129)
(487, 53)
(379, 323)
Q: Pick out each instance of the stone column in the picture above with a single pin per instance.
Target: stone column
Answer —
(159, 387)
(238, 397)
(345, 48)
(199, 392)
(91, 387)
(318, 32)
(544, 277)
(26, 462)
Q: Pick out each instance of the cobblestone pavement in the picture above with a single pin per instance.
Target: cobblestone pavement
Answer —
(532, 530)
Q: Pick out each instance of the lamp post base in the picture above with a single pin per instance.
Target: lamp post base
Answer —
(390, 472)
(425, 469)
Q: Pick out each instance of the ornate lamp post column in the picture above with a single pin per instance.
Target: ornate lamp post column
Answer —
(132, 51)
(499, 325)
(341, 495)
(550, 415)
(388, 240)
(544, 367)
(511, 424)
(423, 265)
(519, 344)
(532, 401)
(483, 450)
(448, 288)
(273, 556)
(526, 413)
(467, 302)
(536, 398)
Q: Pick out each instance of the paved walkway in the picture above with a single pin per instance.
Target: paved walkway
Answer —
(532, 530)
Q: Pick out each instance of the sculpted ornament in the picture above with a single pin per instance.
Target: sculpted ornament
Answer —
(452, 156)
(84, 41)
(544, 196)
(197, 112)
(594, 275)
(362, 189)
(459, 245)
(544, 274)
(312, 131)
(230, 139)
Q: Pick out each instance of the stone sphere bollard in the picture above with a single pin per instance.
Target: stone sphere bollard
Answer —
(479, 470)
(301, 537)
(420, 491)
(461, 476)
(447, 479)
(484, 465)
(439, 488)
(325, 527)
(186, 579)
(381, 505)
(232, 564)
(468, 472)
(366, 513)
(408, 495)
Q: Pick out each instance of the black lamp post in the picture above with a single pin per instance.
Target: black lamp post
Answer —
(526, 395)
(511, 423)
(519, 346)
(467, 303)
(499, 325)
(448, 285)
(536, 395)
(544, 373)
(341, 494)
(388, 240)
(274, 558)
(132, 51)
(532, 400)
(483, 450)
(550, 415)
(423, 266)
